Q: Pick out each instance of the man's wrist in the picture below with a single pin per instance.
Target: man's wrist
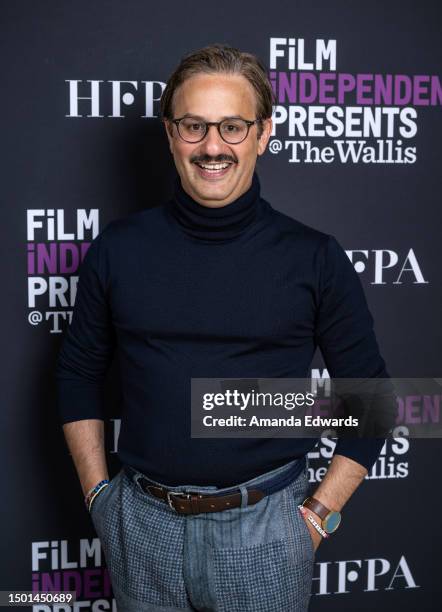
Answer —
(306, 512)
(323, 518)
(315, 522)
(94, 491)
(327, 500)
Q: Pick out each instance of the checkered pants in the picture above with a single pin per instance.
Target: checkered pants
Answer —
(255, 558)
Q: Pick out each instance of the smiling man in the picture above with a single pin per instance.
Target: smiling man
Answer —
(216, 168)
(214, 283)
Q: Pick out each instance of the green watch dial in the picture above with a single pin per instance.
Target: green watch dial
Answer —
(331, 522)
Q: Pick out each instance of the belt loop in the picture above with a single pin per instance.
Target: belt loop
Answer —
(244, 496)
(136, 477)
(307, 464)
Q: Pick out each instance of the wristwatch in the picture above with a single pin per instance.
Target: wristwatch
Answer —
(330, 519)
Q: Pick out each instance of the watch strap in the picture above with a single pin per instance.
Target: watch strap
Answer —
(315, 506)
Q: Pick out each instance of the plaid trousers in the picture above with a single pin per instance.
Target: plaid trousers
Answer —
(256, 558)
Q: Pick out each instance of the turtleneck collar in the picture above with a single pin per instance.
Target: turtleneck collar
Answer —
(216, 224)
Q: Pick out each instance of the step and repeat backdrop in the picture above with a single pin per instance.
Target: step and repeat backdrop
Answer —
(355, 153)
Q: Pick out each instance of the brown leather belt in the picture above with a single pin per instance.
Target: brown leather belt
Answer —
(187, 502)
(194, 503)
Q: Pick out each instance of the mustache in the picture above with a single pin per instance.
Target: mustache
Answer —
(207, 159)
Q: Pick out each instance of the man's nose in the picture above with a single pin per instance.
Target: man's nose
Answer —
(212, 144)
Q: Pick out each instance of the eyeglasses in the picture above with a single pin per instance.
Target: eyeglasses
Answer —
(232, 131)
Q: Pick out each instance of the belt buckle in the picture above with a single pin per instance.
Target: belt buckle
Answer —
(177, 494)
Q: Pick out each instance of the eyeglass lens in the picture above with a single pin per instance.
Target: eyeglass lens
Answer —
(232, 130)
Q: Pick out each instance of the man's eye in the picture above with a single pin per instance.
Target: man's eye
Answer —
(195, 127)
(230, 127)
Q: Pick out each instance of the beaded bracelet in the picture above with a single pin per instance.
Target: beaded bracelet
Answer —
(313, 522)
(94, 492)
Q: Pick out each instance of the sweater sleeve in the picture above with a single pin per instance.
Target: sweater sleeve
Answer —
(346, 338)
(88, 344)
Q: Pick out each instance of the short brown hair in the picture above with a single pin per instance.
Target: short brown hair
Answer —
(220, 58)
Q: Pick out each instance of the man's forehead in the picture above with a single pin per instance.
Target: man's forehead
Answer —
(206, 118)
(222, 95)
(205, 79)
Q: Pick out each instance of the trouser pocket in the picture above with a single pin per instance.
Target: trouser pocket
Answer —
(100, 500)
(262, 559)
(143, 547)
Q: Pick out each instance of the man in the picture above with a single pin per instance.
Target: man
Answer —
(215, 283)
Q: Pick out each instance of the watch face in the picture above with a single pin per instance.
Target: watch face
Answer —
(331, 522)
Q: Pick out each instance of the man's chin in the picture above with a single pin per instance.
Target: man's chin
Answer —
(213, 195)
(212, 191)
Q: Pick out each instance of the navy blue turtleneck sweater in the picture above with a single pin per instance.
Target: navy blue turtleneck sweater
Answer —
(182, 291)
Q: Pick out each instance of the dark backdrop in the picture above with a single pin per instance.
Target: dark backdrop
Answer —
(386, 555)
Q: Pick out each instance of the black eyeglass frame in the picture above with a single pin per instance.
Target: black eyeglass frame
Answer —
(218, 127)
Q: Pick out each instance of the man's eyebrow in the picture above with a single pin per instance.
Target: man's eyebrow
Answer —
(191, 116)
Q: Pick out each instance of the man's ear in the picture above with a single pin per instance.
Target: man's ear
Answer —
(168, 126)
(267, 125)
